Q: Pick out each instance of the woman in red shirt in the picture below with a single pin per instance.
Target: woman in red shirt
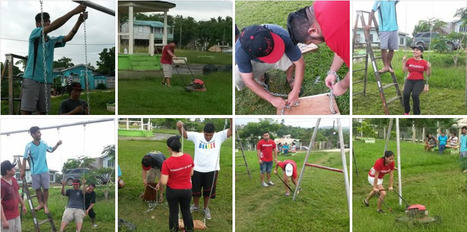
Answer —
(414, 83)
(383, 166)
(176, 175)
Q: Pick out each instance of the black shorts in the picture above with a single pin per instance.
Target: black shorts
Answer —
(92, 214)
(203, 180)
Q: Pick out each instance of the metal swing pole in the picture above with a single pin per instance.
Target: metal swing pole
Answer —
(388, 135)
(344, 163)
(313, 137)
(399, 171)
(96, 7)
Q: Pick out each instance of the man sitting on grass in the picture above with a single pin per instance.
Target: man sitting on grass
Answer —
(75, 207)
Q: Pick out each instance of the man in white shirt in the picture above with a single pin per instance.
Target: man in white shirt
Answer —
(207, 152)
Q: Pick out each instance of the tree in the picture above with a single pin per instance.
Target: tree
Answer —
(63, 62)
(109, 150)
(433, 25)
(80, 162)
(106, 62)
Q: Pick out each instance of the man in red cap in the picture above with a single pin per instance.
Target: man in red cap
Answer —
(152, 166)
(74, 105)
(261, 48)
(325, 21)
(289, 168)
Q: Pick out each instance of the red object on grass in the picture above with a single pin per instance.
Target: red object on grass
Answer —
(419, 207)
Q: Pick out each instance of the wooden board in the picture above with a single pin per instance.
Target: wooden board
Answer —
(198, 224)
(307, 48)
(150, 194)
(311, 105)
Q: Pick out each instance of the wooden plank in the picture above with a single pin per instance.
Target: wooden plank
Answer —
(304, 48)
(198, 224)
(311, 105)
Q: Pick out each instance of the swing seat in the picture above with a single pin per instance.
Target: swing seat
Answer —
(307, 48)
(311, 105)
(198, 224)
(150, 194)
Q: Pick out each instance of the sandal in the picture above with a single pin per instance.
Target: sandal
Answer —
(366, 203)
(161, 199)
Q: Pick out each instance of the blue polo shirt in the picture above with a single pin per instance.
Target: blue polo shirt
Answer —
(387, 15)
(50, 45)
(243, 60)
(38, 159)
(463, 142)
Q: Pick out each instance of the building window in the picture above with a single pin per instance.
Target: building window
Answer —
(111, 163)
(401, 41)
(358, 37)
(51, 178)
(140, 29)
(371, 38)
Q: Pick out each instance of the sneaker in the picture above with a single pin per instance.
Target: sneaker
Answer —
(406, 114)
(287, 194)
(265, 185)
(366, 203)
(270, 183)
(207, 213)
(380, 211)
(193, 208)
(94, 225)
(163, 83)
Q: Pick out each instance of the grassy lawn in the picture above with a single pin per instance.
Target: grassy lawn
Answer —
(445, 97)
(145, 95)
(98, 101)
(428, 179)
(105, 211)
(195, 57)
(320, 206)
(317, 63)
(132, 208)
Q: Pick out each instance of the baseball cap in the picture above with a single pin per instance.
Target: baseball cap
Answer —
(288, 170)
(76, 181)
(262, 44)
(76, 85)
(146, 162)
(419, 47)
(7, 165)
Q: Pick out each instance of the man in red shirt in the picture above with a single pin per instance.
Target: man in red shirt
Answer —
(289, 168)
(167, 61)
(329, 22)
(11, 220)
(266, 147)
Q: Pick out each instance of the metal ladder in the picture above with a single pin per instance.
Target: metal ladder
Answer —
(243, 155)
(37, 223)
(371, 54)
(12, 80)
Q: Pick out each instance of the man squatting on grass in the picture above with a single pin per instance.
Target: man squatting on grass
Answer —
(152, 166)
(207, 157)
(265, 148)
(289, 169)
(75, 207)
(11, 221)
(34, 90)
(36, 153)
(167, 61)
(325, 21)
(263, 48)
(383, 166)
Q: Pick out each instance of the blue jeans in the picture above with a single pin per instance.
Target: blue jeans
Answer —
(266, 167)
(442, 148)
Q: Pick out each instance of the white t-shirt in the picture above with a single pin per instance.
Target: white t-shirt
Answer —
(206, 153)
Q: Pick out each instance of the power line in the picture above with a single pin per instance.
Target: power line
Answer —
(27, 41)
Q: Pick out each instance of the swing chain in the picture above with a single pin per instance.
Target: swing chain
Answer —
(43, 59)
(86, 63)
(331, 97)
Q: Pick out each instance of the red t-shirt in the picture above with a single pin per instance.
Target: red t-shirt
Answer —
(166, 58)
(266, 149)
(294, 165)
(379, 167)
(10, 198)
(333, 18)
(416, 68)
(179, 171)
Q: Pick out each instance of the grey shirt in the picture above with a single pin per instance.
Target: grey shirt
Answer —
(75, 198)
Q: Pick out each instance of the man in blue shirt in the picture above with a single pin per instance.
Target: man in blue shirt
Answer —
(261, 48)
(36, 87)
(36, 153)
(388, 30)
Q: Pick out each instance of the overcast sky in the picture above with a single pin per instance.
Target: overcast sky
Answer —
(409, 12)
(96, 136)
(17, 22)
(202, 10)
(297, 122)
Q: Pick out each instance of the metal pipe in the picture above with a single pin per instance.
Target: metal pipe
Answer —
(324, 167)
(96, 7)
(60, 126)
(344, 164)
(388, 135)
(312, 140)
(399, 170)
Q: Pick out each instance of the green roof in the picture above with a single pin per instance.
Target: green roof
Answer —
(155, 24)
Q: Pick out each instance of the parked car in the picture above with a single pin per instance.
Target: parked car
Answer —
(424, 39)
(71, 174)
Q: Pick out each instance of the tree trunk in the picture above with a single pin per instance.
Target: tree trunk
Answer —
(414, 133)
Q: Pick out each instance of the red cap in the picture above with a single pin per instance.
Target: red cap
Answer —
(260, 43)
(146, 168)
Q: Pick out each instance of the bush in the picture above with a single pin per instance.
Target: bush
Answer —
(101, 86)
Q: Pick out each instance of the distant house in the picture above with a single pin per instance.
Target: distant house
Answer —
(27, 174)
(456, 26)
(143, 29)
(360, 38)
(77, 73)
(105, 161)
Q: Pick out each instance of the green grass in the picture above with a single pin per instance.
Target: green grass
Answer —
(135, 133)
(98, 101)
(428, 178)
(320, 206)
(132, 208)
(445, 97)
(105, 211)
(195, 57)
(316, 63)
(145, 95)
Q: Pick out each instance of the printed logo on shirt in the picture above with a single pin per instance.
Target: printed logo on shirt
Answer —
(267, 145)
(207, 146)
(416, 66)
(179, 169)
